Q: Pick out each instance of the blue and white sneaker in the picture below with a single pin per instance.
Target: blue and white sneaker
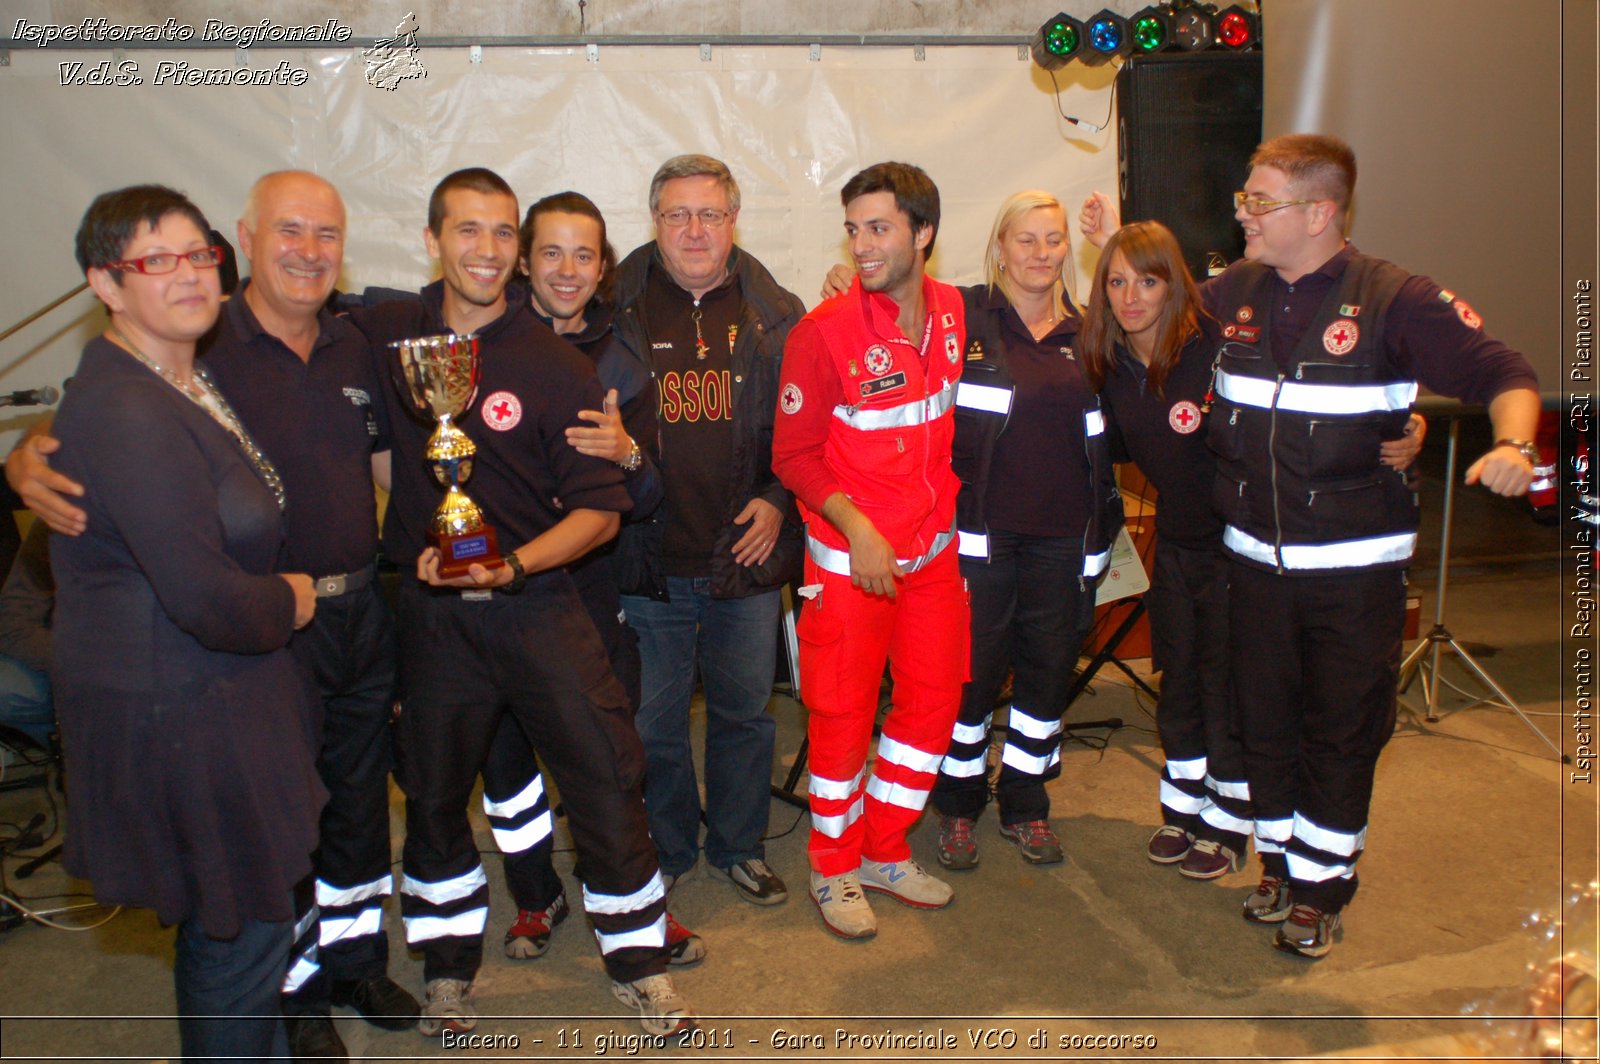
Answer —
(843, 906)
(906, 882)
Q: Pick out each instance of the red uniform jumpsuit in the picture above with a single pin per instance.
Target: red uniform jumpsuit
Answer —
(864, 411)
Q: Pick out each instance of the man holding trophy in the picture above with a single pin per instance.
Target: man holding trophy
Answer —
(481, 393)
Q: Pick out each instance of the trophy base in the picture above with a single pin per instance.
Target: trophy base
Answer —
(461, 551)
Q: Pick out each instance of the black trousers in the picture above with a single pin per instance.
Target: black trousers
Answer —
(1031, 610)
(468, 660)
(1315, 662)
(1203, 786)
(514, 795)
(349, 651)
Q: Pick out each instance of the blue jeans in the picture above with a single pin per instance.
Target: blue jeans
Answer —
(734, 642)
(25, 702)
(228, 992)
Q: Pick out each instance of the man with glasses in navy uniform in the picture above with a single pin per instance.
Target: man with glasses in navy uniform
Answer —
(701, 578)
(1323, 348)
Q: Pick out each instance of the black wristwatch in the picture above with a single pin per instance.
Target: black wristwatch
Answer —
(1529, 450)
(519, 575)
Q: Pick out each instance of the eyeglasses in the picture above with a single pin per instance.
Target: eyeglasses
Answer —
(679, 217)
(167, 261)
(1258, 207)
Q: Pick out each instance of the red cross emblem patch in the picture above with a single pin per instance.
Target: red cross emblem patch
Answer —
(790, 400)
(1468, 316)
(502, 411)
(1340, 337)
(878, 360)
(1184, 417)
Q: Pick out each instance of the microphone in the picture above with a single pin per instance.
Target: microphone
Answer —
(46, 396)
(1081, 124)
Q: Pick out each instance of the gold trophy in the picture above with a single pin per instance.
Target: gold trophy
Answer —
(441, 373)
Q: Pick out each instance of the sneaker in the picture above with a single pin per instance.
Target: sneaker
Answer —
(1209, 859)
(312, 1037)
(906, 882)
(662, 1010)
(843, 906)
(1169, 845)
(529, 936)
(1034, 838)
(757, 883)
(958, 851)
(1308, 932)
(670, 881)
(381, 1001)
(684, 945)
(447, 1007)
(1269, 903)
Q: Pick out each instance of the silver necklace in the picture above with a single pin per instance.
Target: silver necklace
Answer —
(204, 393)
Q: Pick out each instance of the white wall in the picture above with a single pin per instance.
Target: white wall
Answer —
(980, 119)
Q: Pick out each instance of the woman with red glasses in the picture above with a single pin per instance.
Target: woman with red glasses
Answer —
(193, 788)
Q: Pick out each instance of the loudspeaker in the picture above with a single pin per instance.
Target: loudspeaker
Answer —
(1186, 125)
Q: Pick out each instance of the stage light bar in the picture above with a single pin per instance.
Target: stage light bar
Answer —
(1058, 42)
(1238, 28)
(1193, 29)
(1106, 33)
(1150, 30)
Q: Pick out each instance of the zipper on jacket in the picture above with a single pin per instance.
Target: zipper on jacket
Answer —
(1272, 456)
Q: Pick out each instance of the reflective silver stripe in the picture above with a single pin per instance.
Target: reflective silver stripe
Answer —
(307, 921)
(652, 937)
(837, 562)
(1095, 564)
(900, 794)
(971, 733)
(1304, 868)
(903, 416)
(896, 752)
(1032, 727)
(524, 799)
(1302, 398)
(1094, 423)
(1542, 484)
(836, 790)
(301, 971)
(1223, 820)
(1343, 843)
(1180, 801)
(1033, 766)
(973, 544)
(1193, 768)
(366, 922)
(331, 897)
(1235, 789)
(464, 925)
(985, 397)
(1346, 554)
(529, 835)
(1272, 834)
(446, 890)
(972, 766)
(616, 904)
(834, 826)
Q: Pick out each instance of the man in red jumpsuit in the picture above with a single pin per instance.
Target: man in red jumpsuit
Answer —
(864, 427)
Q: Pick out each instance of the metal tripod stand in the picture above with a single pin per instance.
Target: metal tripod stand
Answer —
(1425, 657)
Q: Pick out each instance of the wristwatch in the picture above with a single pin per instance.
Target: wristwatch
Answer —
(519, 575)
(1530, 451)
(634, 460)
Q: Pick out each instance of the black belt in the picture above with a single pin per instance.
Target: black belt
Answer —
(344, 583)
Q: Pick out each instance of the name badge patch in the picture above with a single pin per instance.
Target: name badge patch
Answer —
(892, 383)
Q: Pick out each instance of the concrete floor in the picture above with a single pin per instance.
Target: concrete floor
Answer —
(1474, 827)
